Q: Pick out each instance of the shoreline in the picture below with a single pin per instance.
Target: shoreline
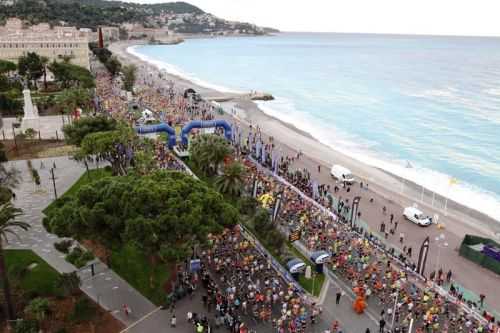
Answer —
(382, 182)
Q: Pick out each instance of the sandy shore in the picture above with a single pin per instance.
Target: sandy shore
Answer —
(384, 187)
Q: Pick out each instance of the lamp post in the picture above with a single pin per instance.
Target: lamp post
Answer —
(440, 243)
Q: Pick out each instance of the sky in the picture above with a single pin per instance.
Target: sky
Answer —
(429, 17)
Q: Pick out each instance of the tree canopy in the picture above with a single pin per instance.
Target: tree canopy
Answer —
(7, 66)
(70, 75)
(163, 213)
(78, 129)
(118, 147)
(208, 151)
(129, 75)
(30, 66)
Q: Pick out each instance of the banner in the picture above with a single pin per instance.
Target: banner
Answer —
(277, 206)
(422, 257)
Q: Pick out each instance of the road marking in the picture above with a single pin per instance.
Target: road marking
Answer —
(141, 320)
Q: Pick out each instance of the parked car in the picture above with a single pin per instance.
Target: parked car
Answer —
(416, 216)
(342, 174)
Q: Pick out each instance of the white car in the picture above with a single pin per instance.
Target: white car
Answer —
(342, 174)
(416, 216)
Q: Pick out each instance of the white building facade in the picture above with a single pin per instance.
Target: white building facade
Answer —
(54, 43)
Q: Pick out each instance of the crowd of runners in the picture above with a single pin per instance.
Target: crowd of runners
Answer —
(239, 285)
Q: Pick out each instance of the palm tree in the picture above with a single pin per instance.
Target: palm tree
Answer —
(208, 151)
(232, 180)
(69, 283)
(8, 214)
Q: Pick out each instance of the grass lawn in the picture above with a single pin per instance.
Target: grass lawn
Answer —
(135, 268)
(39, 281)
(85, 179)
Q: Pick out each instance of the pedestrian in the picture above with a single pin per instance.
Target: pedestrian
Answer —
(448, 276)
(401, 237)
(382, 227)
(126, 310)
(189, 316)
(392, 217)
(384, 210)
(367, 330)
(319, 168)
(481, 300)
(173, 321)
(381, 325)
(395, 225)
(338, 295)
(409, 251)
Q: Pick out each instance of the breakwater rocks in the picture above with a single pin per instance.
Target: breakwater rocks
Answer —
(261, 97)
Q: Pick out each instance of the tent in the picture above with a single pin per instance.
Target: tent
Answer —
(189, 91)
(320, 257)
(296, 265)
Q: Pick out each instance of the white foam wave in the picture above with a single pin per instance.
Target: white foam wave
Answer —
(466, 194)
(174, 70)
(493, 91)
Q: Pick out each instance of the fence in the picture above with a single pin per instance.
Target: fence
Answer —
(377, 244)
(274, 263)
(476, 255)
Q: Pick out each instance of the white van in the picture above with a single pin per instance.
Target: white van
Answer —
(342, 174)
(416, 216)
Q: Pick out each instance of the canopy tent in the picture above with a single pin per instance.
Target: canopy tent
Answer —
(320, 257)
(189, 91)
(296, 265)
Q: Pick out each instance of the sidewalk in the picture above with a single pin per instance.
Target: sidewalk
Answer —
(106, 287)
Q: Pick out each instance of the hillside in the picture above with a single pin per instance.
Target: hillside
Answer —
(181, 17)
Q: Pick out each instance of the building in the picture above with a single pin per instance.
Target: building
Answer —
(54, 43)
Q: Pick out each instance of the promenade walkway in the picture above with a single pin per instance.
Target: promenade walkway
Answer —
(109, 290)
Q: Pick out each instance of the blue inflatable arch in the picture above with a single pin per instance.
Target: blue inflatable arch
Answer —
(228, 131)
(162, 127)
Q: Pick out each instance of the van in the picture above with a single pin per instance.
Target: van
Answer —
(342, 174)
(414, 215)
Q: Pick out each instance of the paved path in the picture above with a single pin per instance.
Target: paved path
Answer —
(106, 287)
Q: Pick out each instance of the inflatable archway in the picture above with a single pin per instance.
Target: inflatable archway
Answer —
(162, 127)
(228, 132)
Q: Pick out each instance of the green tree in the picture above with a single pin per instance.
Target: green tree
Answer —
(38, 308)
(129, 76)
(232, 180)
(7, 66)
(44, 61)
(208, 151)
(30, 133)
(9, 179)
(116, 147)
(113, 65)
(8, 214)
(71, 99)
(163, 213)
(79, 129)
(70, 75)
(69, 283)
(30, 66)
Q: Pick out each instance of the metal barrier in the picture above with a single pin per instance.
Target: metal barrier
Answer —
(274, 263)
(418, 277)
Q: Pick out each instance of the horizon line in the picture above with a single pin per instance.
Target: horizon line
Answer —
(390, 34)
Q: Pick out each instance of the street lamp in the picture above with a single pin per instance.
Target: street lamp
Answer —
(440, 243)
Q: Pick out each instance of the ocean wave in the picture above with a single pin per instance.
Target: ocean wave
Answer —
(469, 195)
(493, 91)
(173, 70)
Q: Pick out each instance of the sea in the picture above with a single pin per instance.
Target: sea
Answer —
(426, 108)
